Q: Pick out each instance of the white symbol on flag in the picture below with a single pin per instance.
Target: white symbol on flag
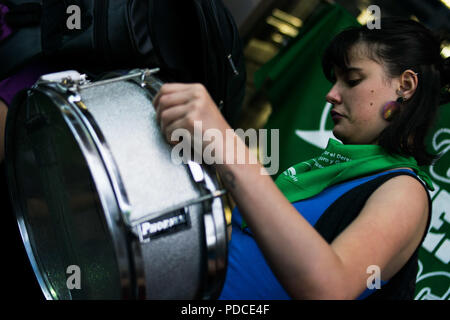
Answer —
(318, 138)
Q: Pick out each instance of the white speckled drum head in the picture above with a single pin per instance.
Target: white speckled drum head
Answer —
(125, 115)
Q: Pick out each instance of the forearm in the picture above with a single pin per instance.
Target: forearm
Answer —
(302, 260)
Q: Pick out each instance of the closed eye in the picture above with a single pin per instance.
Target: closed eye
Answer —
(352, 83)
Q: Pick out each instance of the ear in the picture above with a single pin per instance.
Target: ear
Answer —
(408, 83)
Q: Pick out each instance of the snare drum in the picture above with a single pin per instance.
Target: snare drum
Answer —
(103, 211)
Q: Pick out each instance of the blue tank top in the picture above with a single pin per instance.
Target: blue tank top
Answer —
(248, 275)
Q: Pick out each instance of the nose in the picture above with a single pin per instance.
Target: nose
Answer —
(333, 96)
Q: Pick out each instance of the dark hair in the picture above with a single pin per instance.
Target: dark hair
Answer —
(400, 44)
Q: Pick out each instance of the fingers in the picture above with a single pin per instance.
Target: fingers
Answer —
(170, 100)
(170, 115)
(169, 131)
(170, 88)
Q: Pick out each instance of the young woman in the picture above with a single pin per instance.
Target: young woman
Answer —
(325, 227)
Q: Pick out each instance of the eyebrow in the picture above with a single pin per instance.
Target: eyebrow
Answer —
(346, 71)
(353, 69)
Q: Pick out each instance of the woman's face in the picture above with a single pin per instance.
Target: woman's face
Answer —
(358, 97)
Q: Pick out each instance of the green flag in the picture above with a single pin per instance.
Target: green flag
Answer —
(433, 278)
(296, 88)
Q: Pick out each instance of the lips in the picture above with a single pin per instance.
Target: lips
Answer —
(335, 115)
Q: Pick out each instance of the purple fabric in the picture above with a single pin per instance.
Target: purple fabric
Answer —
(25, 77)
(5, 30)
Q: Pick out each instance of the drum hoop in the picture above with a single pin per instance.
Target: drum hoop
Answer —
(217, 250)
(96, 154)
(16, 205)
(106, 156)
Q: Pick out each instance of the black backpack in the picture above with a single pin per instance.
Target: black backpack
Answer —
(190, 40)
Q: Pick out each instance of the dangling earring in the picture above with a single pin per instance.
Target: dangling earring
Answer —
(391, 108)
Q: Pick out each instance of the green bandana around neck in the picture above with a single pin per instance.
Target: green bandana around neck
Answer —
(339, 163)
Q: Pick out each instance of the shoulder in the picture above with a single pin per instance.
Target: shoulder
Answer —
(389, 227)
(403, 190)
(399, 210)
(377, 196)
(402, 204)
(399, 192)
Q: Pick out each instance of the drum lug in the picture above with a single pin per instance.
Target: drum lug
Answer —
(66, 78)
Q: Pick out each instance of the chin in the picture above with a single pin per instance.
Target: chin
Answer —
(340, 136)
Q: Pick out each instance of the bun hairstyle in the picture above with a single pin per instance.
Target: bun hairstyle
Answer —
(401, 44)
